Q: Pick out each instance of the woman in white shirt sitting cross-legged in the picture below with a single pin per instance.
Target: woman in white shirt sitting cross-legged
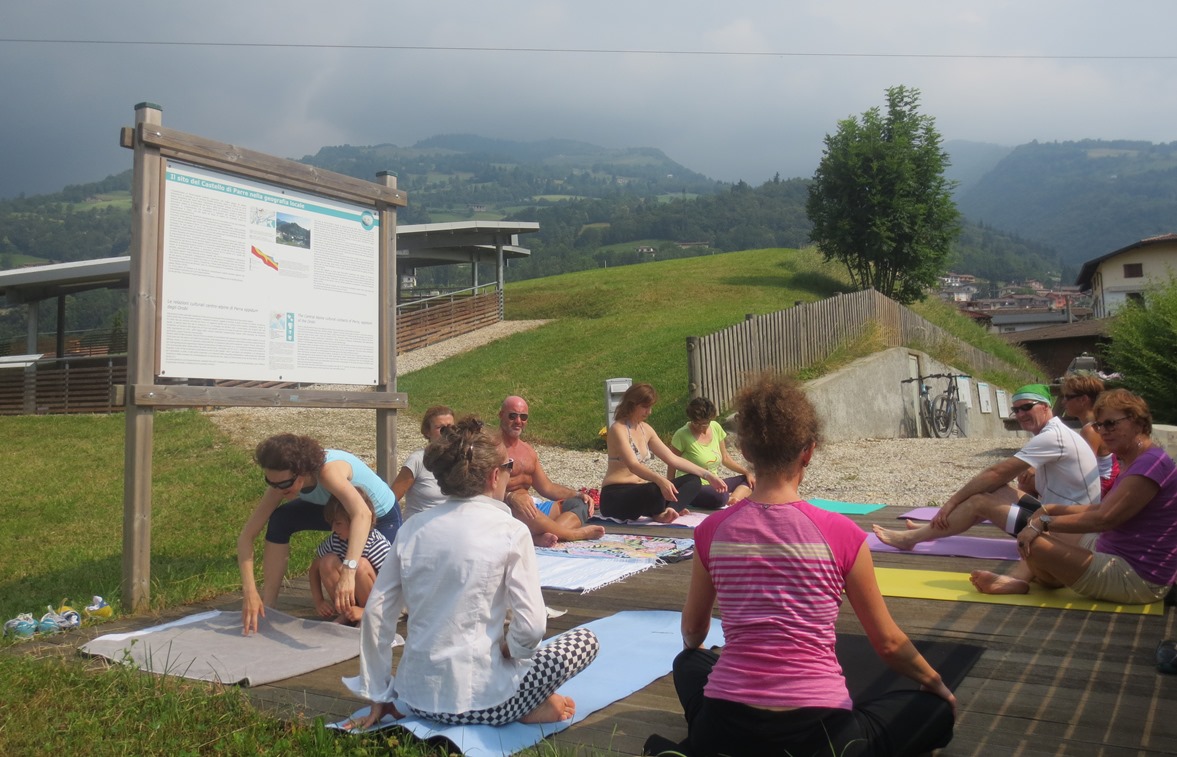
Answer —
(459, 567)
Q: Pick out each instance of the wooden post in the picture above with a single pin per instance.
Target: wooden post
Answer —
(386, 270)
(500, 275)
(30, 385)
(694, 368)
(60, 326)
(141, 336)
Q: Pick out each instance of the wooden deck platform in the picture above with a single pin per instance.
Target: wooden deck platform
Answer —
(1051, 682)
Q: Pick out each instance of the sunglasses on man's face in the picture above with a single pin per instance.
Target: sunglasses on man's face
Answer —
(280, 484)
(1019, 409)
(516, 416)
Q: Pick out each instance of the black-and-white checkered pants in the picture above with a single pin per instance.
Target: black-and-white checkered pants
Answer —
(565, 656)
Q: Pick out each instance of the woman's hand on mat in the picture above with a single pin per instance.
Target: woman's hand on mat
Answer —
(379, 710)
(325, 608)
(251, 609)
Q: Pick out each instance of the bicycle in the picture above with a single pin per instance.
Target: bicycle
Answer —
(939, 412)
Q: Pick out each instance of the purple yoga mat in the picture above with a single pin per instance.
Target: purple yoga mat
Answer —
(922, 513)
(956, 546)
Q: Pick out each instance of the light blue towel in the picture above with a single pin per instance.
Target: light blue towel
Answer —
(637, 647)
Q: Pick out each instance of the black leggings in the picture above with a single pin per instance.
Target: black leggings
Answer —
(897, 723)
(632, 501)
(710, 499)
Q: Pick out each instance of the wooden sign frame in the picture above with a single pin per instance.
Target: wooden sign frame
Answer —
(153, 146)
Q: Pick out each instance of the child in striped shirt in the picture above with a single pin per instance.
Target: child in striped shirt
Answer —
(328, 563)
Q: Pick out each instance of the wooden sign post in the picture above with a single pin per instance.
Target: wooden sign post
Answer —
(201, 280)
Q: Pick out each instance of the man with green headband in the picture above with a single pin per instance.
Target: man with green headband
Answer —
(1065, 470)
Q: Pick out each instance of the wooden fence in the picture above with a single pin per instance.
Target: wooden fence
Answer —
(425, 322)
(66, 385)
(83, 383)
(789, 340)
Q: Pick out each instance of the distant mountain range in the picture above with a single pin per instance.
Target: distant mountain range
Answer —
(1083, 199)
(1033, 210)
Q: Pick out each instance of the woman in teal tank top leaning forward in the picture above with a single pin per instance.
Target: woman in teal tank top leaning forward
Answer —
(779, 568)
(701, 441)
(300, 478)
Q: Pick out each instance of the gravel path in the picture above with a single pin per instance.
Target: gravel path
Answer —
(905, 472)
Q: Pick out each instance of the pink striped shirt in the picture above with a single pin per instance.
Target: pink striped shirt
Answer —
(779, 572)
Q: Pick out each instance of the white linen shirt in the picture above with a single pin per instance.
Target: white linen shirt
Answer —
(457, 567)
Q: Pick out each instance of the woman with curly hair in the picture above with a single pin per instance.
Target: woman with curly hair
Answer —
(461, 568)
(300, 478)
(779, 569)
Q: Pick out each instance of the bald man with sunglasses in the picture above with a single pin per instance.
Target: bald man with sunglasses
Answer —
(1066, 472)
(560, 513)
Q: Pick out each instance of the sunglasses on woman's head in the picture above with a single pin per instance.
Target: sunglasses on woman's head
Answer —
(280, 484)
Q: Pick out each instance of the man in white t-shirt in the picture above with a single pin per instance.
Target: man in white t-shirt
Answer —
(1065, 468)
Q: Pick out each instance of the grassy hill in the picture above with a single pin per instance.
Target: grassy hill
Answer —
(631, 321)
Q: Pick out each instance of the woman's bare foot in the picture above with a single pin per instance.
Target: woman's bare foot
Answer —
(545, 540)
(988, 582)
(739, 494)
(897, 539)
(553, 709)
(669, 515)
(911, 524)
(588, 533)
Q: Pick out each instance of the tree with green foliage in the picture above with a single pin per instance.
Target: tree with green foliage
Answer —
(1143, 348)
(879, 202)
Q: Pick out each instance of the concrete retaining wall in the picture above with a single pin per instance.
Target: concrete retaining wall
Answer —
(866, 399)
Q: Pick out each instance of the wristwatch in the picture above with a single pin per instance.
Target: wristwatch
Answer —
(1045, 521)
(351, 564)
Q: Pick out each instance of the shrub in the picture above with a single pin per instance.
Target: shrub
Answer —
(1144, 349)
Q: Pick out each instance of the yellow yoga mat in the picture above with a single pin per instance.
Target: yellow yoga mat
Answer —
(939, 584)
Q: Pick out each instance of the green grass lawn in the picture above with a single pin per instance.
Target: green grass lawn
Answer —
(62, 528)
(63, 519)
(633, 322)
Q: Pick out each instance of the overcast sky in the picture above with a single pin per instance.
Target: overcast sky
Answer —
(739, 89)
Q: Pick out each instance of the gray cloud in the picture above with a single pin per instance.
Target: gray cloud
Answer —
(730, 116)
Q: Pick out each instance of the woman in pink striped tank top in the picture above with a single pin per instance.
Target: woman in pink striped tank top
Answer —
(778, 568)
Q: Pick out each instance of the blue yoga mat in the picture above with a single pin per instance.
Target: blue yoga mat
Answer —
(845, 508)
(637, 647)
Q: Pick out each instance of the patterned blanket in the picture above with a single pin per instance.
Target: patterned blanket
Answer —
(632, 546)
